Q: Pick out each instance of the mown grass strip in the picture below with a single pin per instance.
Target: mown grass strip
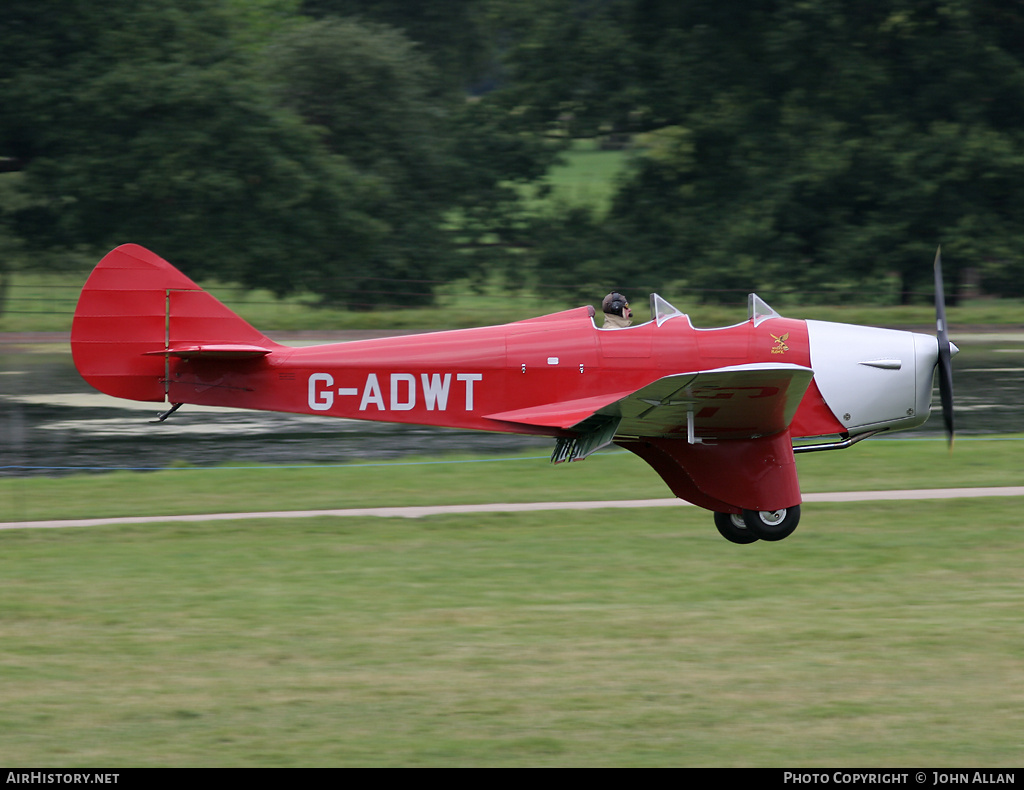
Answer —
(877, 635)
(874, 464)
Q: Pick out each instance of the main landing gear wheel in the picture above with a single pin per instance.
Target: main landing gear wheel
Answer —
(734, 528)
(772, 524)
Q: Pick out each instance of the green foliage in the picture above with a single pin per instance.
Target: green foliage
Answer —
(800, 144)
(44, 301)
(455, 34)
(327, 161)
(369, 95)
(155, 130)
(329, 146)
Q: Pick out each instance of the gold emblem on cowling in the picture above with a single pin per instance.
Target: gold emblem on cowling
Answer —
(780, 346)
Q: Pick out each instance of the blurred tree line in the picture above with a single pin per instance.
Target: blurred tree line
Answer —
(366, 150)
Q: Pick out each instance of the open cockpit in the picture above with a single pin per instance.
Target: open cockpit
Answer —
(662, 310)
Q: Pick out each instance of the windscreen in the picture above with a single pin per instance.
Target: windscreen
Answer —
(661, 310)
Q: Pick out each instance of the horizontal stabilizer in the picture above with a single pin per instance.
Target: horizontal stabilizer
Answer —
(215, 351)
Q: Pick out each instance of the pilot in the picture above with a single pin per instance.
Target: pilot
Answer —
(617, 314)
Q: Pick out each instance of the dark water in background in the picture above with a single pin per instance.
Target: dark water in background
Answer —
(52, 423)
(55, 423)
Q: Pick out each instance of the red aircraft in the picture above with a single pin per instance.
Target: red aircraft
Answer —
(714, 411)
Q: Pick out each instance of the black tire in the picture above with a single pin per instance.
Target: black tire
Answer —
(772, 524)
(734, 529)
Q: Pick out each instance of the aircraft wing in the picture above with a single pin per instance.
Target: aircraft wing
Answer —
(735, 402)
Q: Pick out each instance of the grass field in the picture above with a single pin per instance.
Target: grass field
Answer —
(876, 464)
(879, 634)
(586, 177)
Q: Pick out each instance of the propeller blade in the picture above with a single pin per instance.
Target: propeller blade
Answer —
(945, 356)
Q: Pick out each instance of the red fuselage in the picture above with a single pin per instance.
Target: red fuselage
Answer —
(457, 378)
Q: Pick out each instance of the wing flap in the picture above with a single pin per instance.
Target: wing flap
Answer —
(595, 434)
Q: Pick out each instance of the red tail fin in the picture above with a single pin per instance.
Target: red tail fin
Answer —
(134, 311)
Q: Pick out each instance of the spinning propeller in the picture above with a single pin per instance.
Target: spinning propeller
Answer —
(945, 363)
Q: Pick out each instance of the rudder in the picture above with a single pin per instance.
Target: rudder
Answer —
(134, 309)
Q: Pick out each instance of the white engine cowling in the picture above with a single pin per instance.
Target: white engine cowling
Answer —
(873, 378)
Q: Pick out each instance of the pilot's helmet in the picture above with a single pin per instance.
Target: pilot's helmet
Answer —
(614, 303)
